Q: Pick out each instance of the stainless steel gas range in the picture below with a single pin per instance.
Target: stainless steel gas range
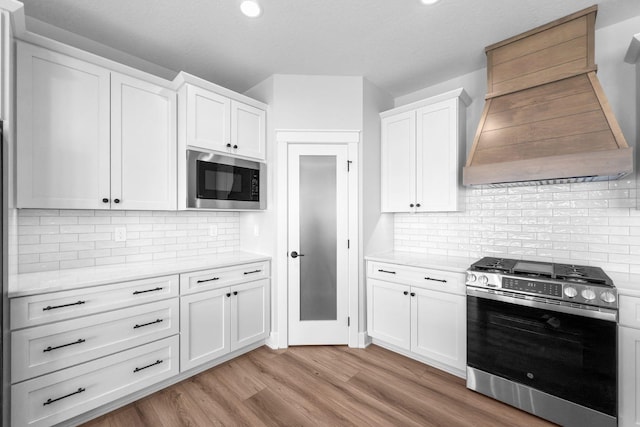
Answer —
(542, 337)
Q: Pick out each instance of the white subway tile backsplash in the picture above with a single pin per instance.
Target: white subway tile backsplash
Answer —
(51, 239)
(589, 223)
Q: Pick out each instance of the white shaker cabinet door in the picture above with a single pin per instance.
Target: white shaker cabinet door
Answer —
(143, 145)
(398, 162)
(437, 155)
(438, 326)
(247, 130)
(249, 313)
(208, 118)
(204, 327)
(62, 130)
(388, 313)
(628, 376)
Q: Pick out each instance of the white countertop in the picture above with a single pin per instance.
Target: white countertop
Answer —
(60, 280)
(626, 284)
(438, 262)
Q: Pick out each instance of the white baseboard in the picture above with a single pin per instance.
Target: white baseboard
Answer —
(364, 340)
(272, 341)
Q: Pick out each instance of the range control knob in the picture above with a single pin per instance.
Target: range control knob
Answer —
(570, 292)
(483, 280)
(471, 277)
(588, 294)
(608, 297)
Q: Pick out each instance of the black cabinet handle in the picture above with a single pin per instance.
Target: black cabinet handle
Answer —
(116, 200)
(53, 307)
(235, 292)
(50, 401)
(413, 294)
(80, 341)
(235, 147)
(147, 290)
(411, 205)
(295, 254)
(417, 205)
(208, 280)
(258, 271)
(157, 362)
(406, 292)
(147, 324)
(435, 280)
(105, 200)
(386, 271)
(228, 145)
(228, 295)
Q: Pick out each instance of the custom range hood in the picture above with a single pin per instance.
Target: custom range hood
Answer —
(546, 118)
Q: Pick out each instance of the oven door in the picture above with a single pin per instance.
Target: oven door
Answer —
(565, 355)
(222, 182)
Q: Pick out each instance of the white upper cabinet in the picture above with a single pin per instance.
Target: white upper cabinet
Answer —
(62, 131)
(215, 122)
(423, 146)
(248, 130)
(91, 139)
(398, 164)
(143, 145)
(208, 119)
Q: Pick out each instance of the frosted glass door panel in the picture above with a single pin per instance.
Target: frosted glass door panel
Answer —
(318, 297)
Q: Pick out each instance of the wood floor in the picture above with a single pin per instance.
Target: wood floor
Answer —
(319, 386)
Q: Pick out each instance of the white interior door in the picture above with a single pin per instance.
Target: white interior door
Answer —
(318, 243)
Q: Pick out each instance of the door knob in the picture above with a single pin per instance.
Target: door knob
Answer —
(295, 254)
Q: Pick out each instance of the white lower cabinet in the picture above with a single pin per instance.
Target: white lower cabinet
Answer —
(426, 320)
(629, 362)
(58, 396)
(216, 322)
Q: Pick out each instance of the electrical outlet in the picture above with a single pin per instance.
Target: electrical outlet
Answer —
(121, 234)
(213, 230)
(256, 230)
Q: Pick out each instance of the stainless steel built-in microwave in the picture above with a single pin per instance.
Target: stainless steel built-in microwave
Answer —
(216, 181)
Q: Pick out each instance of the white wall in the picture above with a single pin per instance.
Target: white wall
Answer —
(592, 223)
(318, 102)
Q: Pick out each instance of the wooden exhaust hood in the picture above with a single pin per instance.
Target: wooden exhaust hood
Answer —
(546, 118)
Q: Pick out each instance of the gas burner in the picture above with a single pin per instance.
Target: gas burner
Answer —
(576, 280)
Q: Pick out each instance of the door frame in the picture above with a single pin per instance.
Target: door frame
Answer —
(344, 137)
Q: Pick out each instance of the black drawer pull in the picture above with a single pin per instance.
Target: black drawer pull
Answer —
(157, 362)
(80, 341)
(147, 324)
(406, 292)
(53, 307)
(435, 280)
(229, 295)
(386, 271)
(413, 294)
(208, 280)
(148, 290)
(50, 401)
(235, 292)
(252, 272)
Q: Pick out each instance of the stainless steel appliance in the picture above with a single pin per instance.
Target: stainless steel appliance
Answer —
(216, 181)
(542, 337)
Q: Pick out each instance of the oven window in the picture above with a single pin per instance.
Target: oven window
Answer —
(569, 356)
(226, 182)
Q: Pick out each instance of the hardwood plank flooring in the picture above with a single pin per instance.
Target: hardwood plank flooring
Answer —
(319, 386)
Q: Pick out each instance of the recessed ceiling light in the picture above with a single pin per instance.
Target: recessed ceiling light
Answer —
(251, 8)
(429, 1)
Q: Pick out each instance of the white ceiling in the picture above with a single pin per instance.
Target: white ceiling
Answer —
(399, 45)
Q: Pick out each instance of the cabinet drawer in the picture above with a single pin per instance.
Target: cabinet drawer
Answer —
(629, 311)
(47, 348)
(56, 397)
(437, 280)
(220, 277)
(56, 306)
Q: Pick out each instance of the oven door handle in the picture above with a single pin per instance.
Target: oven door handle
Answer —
(602, 313)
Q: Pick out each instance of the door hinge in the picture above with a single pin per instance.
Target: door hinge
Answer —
(349, 165)
(349, 321)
